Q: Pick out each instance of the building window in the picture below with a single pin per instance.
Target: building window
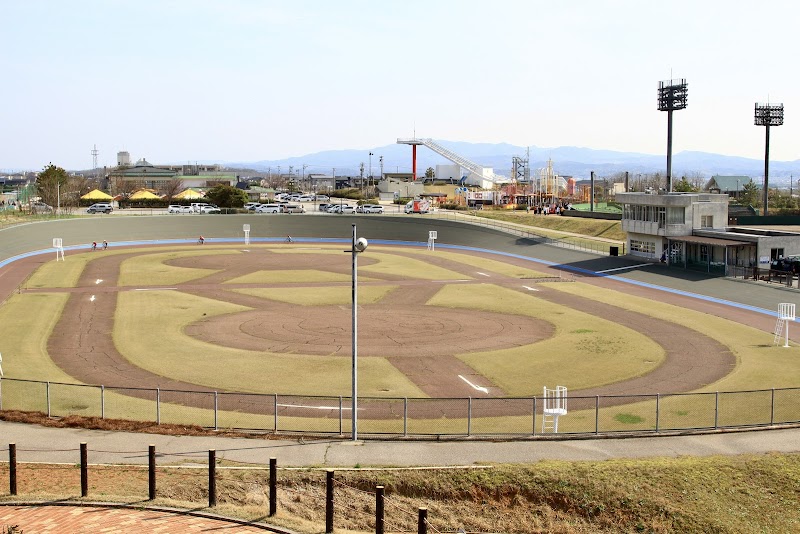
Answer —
(646, 247)
(676, 215)
(776, 253)
(706, 221)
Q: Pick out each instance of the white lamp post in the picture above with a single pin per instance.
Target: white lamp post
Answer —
(358, 245)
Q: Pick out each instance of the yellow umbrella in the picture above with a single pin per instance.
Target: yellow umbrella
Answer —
(143, 195)
(188, 193)
(96, 194)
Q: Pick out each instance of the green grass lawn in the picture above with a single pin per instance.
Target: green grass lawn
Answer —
(391, 264)
(484, 264)
(321, 296)
(575, 225)
(153, 270)
(171, 353)
(586, 351)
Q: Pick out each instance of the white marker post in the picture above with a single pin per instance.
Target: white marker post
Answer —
(432, 235)
(785, 314)
(59, 246)
(246, 229)
(1, 364)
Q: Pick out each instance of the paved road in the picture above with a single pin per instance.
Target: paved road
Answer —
(36, 444)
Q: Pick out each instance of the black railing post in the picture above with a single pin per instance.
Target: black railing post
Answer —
(151, 472)
(329, 502)
(12, 468)
(422, 521)
(379, 496)
(273, 486)
(212, 478)
(84, 470)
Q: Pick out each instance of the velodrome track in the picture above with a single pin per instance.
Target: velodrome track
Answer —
(719, 296)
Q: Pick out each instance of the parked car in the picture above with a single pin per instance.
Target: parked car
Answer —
(305, 198)
(269, 208)
(789, 264)
(101, 207)
(293, 208)
(341, 208)
(320, 198)
(251, 206)
(370, 208)
(197, 206)
(41, 207)
(177, 208)
(323, 207)
(208, 208)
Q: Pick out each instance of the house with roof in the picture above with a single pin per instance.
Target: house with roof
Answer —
(690, 230)
(729, 185)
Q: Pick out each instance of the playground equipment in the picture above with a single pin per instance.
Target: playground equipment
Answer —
(785, 314)
(555, 405)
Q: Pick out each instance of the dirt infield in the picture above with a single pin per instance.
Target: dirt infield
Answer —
(415, 339)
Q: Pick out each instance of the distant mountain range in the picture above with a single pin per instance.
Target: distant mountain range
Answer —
(567, 161)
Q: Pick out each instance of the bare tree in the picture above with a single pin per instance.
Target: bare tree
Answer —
(172, 188)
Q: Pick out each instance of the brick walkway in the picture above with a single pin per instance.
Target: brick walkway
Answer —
(94, 519)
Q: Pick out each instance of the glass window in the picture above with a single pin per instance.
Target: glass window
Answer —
(676, 215)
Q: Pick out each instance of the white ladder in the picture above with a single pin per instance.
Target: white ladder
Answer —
(778, 331)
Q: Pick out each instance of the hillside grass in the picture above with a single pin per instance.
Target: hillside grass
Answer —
(596, 228)
(721, 494)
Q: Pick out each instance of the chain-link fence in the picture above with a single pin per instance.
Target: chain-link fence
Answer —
(416, 417)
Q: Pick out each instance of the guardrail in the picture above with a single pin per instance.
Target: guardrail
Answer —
(407, 417)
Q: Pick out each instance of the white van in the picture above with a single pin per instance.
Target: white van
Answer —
(293, 208)
(197, 207)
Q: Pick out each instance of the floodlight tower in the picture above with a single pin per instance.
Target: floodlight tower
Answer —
(671, 96)
(768, 115)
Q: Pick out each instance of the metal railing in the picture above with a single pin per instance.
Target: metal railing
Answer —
(407, 417)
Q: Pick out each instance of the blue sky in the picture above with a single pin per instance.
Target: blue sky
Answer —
(247, 80)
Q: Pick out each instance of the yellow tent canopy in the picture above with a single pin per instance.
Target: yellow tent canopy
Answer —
(96, 194)
(143, 195)
(188, 193)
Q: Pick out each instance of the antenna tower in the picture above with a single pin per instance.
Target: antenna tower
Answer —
(95, 152)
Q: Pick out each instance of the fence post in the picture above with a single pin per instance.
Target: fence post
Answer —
(212, 478)
(772, 403)
(716, 409)
(341, 417)
(469, 416)
(534, 416)
(422, 520)
(405, 416)
(658, 408)
(47, 394)
(84, 471)
(151, 472)
(102, 402)
(379, 510)
(329, 502)
(158, 406)
(275, 407)
(273, 486)
(216, 406)
(12, 468)
(597, 414)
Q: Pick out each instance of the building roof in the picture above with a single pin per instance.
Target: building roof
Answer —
(727, 183)
(703, 240)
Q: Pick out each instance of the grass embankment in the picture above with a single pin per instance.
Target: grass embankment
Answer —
(590, 228)
(753, 493)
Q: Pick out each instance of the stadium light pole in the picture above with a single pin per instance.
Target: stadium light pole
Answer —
(768, 115)
(358, 245)
(672, 95)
